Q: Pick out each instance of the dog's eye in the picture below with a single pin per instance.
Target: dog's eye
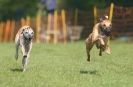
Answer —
(32, 33)
(104, 25)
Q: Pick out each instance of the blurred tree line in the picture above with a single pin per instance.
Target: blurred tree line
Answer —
(15, 9)
(83, 4)
(87, 4)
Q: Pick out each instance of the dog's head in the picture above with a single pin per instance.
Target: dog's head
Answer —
(28, 33)
(105, 26)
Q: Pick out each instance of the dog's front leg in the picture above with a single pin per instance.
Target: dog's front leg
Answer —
(108, 51)
(24, 60)
(102, 46)
(26, 56)
(23, 50)
(89, 46)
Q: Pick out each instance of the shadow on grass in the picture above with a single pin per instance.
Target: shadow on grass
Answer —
(91, 72)
(16, 70)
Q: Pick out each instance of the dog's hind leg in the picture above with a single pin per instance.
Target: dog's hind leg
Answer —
(107, 46)
(17, 49)
(17, 42)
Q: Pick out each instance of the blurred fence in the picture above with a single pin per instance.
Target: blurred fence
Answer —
(58, 27)
(123, 21)
(63, 26)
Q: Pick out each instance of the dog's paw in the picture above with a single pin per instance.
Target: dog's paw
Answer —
(24, 56)
(88, 59)
(107, 51)
(23, 70)
(100, 54)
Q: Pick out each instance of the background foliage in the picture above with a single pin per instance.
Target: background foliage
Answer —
(15, 9)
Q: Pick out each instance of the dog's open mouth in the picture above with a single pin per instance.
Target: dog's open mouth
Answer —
(108, 33)
(30, 39)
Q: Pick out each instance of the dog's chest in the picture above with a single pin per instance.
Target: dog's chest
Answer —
(27, 43)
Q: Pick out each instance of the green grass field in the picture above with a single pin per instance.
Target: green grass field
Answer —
(66, 66)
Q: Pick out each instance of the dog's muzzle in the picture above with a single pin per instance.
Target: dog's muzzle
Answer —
(106, 32)
(29, 37)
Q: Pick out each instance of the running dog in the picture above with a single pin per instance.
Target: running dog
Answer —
(23, 40)
(100, 37)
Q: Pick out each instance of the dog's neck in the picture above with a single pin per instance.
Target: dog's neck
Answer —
(100, 29)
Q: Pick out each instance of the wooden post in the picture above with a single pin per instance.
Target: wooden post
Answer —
(55, 27)
(111, 11)
(64, 25)
(95, 14)
(1, 31)
(110, 18)
(23, 22)
(12, 30)
(28, 20)
(48, 27)
(38, 25)
(7, 30)
(76, 18)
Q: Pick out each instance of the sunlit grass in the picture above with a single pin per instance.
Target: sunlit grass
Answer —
(66, 66)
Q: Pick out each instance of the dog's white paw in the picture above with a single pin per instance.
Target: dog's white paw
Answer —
(107, 51)
(24, 69)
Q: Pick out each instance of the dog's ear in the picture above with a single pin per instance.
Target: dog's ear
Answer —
(22, 31)
(105, 17)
